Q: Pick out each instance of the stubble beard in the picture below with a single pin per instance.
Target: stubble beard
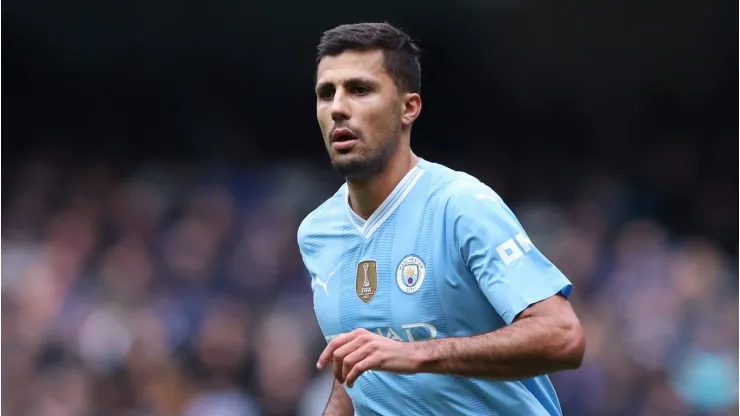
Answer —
(367, 163)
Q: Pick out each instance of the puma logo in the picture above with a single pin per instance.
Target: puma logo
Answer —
(323, 283)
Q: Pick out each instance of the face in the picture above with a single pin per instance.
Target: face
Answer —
(361, 113)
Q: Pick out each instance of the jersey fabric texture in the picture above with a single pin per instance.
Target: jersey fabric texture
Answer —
(443, 256)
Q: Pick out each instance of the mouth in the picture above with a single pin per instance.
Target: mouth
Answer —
(343, 139)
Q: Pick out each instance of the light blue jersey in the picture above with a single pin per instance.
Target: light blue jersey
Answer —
(443, 256)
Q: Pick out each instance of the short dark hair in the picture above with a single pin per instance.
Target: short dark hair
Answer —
(400, 53)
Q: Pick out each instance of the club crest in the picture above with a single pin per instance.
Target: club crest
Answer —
(366, 283)
(410, 274)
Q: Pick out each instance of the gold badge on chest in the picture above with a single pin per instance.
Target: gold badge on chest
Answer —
(366, 283)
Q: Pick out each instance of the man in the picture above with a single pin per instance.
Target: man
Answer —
(431, 296)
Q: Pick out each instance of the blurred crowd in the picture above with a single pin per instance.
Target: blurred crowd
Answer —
(172, 290)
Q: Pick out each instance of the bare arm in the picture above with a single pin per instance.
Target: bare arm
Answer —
(339, 403)
(546, 337)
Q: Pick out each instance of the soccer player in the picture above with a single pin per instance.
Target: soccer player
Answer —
(432, 298)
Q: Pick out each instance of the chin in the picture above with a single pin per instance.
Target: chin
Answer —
(356, 167)
(348, 164)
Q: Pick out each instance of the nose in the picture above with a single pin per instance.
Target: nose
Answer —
(339, 107)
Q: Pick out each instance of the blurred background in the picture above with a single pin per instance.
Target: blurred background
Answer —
(159, 156)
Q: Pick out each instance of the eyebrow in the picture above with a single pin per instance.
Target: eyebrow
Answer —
(348, 82)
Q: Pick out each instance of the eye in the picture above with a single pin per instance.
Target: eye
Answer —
(360, 90)
(325, 94)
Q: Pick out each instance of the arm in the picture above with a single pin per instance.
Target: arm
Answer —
(546, 337)
(339, 403)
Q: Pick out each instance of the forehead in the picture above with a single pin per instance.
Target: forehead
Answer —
(352, 65)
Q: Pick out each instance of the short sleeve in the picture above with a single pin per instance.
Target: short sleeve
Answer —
(511, 272)
(302, 237)
(306, 244)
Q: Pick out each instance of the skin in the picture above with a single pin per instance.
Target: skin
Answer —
(354, 91)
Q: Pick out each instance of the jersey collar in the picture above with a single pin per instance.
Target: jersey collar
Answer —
(386, 209)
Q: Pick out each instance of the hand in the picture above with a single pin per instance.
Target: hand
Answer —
(361, 350)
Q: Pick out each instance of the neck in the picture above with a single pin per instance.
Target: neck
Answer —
(366, 196)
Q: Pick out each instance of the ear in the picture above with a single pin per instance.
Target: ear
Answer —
(411, 108)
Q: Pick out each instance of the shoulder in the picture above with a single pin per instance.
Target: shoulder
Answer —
(460, 192)
(329, 212)
(470, 190)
